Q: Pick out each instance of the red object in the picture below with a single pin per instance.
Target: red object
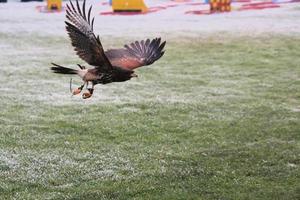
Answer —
(247, 6)
(259, 6)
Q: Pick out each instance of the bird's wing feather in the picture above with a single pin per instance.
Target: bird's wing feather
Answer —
(137, 54)
(80, 29)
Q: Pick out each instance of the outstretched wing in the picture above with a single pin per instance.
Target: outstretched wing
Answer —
(80, 29)
(137, 54)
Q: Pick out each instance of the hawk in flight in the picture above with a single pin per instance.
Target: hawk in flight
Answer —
(113, 65)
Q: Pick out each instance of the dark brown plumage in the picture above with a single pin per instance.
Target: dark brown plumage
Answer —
(114, 65)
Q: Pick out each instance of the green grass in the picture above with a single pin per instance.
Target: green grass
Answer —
(215, 118)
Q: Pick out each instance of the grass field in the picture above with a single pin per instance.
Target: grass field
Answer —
(217, 118)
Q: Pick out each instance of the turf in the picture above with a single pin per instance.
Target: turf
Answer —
(217, 118)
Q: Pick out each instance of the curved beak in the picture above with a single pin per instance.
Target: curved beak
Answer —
(134, 75)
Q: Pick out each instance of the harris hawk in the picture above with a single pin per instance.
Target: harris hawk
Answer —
(113, 65)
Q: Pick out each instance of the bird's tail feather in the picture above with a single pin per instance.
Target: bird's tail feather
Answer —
(62, 70)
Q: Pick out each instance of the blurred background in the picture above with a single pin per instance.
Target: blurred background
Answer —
(167, 17)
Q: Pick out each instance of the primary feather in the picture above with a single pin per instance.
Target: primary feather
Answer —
(80, 30)
(137, 54)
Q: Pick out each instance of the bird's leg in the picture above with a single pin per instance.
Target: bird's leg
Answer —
(89, 93)
(78, 90)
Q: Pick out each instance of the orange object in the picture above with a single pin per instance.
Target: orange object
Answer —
(220, 5)
(54, 4)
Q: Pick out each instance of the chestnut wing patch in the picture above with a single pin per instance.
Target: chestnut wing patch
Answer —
(137, 54)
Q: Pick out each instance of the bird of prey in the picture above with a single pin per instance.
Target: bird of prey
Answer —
(113, 65)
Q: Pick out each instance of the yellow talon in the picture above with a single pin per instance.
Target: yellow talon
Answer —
(86, 95)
